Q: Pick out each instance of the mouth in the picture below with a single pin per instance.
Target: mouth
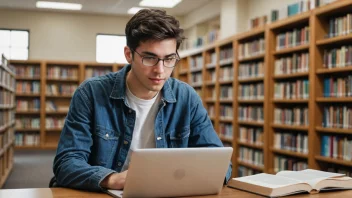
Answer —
(157, 80)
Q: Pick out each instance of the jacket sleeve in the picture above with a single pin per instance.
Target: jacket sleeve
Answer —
(203, 133)
(71, 166)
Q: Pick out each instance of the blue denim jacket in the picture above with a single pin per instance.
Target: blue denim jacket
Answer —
(97, 134)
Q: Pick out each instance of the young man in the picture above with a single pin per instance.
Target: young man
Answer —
(137, 107)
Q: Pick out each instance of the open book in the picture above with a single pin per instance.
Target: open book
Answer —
(291, 182)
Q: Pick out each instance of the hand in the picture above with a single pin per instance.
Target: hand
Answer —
(114, 181)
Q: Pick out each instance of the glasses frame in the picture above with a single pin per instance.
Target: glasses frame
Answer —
(159, 59)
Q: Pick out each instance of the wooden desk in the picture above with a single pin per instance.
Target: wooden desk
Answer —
(69, 193)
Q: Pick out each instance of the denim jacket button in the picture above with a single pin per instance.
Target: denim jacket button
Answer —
(107, 135)
(125, 142)
(119, 164)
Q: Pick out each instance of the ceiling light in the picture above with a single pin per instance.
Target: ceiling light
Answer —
(134, 10)
(160, 3)
(58, 5)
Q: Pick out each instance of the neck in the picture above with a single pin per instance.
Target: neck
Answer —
(139, 91)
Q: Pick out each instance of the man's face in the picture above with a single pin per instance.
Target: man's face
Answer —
(146, 81)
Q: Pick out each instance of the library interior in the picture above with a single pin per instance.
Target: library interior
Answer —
(274, 79)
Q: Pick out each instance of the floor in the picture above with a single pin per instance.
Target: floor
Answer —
(32, 169)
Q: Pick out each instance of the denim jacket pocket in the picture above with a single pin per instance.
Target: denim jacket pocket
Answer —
(105, 145)
(179, 138)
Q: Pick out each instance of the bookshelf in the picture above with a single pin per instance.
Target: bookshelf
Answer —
(7, 113)
(289, 65)
(332, 76)
(249, 104)
(43, 95)
(304, 100)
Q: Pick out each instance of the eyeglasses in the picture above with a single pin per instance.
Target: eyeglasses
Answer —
(150, 61)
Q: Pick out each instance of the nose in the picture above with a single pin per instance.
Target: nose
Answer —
(159, 68)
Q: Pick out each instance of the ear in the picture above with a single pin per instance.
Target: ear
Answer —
(128, 54)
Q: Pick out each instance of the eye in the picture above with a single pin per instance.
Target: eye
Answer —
(150, 58)
(170, 59)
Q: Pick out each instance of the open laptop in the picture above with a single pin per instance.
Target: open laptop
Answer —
(173, 172)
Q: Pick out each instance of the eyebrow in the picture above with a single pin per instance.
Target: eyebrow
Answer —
(152, 54)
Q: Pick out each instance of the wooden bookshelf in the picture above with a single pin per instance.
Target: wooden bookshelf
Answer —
(50, 104)
(309, 75)
(7, 121)
(325, 41)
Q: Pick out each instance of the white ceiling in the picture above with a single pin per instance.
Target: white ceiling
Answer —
(114, 7)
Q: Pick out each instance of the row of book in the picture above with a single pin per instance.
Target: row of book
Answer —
(226, 112)
(28, 105)
(27, 123)
(62, 72)
(60, 89)
(284, 163)
(253, 91)
(226, 130)
(7, 118)
(28, 87)
(196, 62)
(54, 122)
(291, 116)
(252, 48)
(338, 86)
(296, 63)
(251, 135)
(27, 139)
(211, 110)
(251, 70)
(291, 9)
(211, 60)
(211, 93)
(226, 55)
(6, 98)
(339, 26)
(226, 73)
(258, 21)
(28, 71)
(338, 57)
(211, 76)
(251, 113)
(6, 79)
(244, 171)
(6, 137)
(226, 92)
(93, 72)
(337, 116)
(298, 89)
(336, 147)
(251, 156)
(293, 38)
(196, 79)
(291, 141)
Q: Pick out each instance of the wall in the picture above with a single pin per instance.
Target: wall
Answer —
(62, 36)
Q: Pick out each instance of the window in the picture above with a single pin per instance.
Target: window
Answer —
(110, 48)
(14, 44)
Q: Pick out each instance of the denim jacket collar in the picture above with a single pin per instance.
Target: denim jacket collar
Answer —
(119, 89)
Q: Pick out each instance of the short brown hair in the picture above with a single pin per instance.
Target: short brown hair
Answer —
(152, 24)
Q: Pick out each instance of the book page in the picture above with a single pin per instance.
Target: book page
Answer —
(115, 193)
(268, 180)
(321, 173)
(312, 177)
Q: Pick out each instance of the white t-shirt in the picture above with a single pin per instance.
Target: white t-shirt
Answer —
(143, 132)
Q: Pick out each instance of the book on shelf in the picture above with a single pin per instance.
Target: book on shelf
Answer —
(291, 182)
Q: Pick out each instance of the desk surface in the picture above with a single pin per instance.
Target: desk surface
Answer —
(69, 193)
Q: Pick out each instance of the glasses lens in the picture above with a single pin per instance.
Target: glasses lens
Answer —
(170, 62)
(150, 61)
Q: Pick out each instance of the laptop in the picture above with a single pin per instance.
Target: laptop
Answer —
(173, 172)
